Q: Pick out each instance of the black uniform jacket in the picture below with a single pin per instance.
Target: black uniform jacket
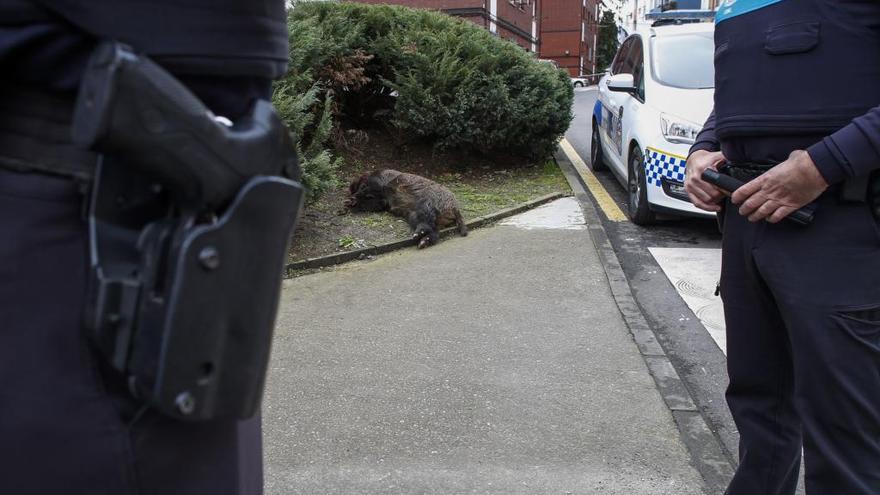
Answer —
(798, 74)
(46, 42)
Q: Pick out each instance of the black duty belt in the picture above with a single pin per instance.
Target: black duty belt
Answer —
(35, 134)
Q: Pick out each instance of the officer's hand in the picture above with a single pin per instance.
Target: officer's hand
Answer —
(703, 195)
(781, 190)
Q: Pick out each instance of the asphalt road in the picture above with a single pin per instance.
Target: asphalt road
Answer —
(695, 355)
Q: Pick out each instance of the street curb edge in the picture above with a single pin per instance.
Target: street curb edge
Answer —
(707, 454)
(339, 258)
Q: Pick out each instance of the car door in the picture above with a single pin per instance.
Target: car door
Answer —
(631, 104)
(611, 130)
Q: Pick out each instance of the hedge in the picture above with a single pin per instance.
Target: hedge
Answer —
(429, 76)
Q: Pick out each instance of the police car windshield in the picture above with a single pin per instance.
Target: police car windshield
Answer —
(684, 60)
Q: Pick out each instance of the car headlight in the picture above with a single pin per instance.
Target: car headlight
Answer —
(677, 130)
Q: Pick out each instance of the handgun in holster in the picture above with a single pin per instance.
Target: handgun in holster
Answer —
(189, 220)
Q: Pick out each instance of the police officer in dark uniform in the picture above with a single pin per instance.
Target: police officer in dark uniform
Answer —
(796, 117)
(67, 421)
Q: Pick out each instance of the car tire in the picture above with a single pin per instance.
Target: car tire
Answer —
(637, 190)
(578, 84)
(597, 160)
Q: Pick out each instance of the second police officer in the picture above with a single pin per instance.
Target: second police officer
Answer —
(796, 116)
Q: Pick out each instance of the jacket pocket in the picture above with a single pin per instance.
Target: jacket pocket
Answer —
(798, 37)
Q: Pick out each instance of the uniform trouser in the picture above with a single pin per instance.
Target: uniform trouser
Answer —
(67, 423)
(802, 307)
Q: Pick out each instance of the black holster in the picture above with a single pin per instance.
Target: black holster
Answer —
(719, 215)
(865, 188)
(189, 224)
(874, 194)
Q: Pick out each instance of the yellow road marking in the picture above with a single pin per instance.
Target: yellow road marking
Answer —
(608, 206)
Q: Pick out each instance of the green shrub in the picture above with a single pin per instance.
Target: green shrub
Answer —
(431, 76)
(310, 119)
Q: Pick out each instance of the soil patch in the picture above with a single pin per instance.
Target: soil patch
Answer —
(482, 185)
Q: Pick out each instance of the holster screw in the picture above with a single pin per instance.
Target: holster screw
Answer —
(185, 403)
(209, 257)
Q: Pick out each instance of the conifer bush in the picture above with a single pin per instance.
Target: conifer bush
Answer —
(430, 76)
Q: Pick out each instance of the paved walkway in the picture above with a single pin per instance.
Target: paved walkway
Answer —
(495, 363)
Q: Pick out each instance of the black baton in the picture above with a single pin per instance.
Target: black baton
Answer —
(803, 216)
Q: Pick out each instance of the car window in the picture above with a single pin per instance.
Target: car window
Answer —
(684, 61)
(633, 59)
(638, 60)
(621, 56)
(640, 82)
(638, 57)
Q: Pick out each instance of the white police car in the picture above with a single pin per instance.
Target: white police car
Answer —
(652, 104)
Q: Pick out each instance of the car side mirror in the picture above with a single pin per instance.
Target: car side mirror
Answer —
(622, 83)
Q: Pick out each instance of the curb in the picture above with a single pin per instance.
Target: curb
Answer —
(337, 258)
(707, 454)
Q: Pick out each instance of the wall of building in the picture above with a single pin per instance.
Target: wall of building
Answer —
(514, 21)
(568, 34)
(430, 4)
(509, 19)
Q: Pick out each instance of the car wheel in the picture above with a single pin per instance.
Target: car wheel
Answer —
(578, 84)
(639, 210)
(597, 161)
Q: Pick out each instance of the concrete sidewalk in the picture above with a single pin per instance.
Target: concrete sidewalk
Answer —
(496, 363)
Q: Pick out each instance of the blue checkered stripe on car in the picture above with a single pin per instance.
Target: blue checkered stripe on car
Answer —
(659, 165)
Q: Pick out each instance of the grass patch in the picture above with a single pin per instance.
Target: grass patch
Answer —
(482, 187)
(500, 189)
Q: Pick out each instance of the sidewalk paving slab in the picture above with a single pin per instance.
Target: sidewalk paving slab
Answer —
(495, 363)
